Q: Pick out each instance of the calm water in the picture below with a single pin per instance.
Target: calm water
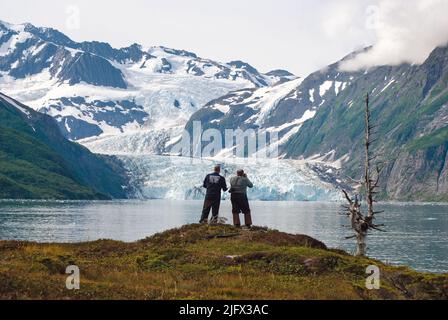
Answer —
(417, 235)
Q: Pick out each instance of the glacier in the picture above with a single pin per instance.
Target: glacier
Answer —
(178, 178)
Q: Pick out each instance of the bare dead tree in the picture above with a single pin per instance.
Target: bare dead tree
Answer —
(361, 223)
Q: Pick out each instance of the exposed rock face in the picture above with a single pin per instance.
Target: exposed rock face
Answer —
(115, 114)
(419, 175)
(85, 67)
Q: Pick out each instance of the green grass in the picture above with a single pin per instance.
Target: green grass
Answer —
(31, 169)
(205, 262)
(434, 139)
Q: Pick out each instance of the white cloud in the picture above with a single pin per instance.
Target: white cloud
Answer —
(406, 32)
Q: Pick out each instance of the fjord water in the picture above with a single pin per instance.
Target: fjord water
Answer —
(417, 234)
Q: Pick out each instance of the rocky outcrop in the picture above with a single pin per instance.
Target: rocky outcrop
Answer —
(85, 67)
(420, 174)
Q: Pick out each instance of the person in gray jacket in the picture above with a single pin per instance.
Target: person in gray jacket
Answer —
(240, 202)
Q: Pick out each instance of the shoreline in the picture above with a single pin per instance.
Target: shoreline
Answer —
(131, 221)
(206, 262)
(392, 202)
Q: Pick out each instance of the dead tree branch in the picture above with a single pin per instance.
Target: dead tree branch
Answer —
(360, 223)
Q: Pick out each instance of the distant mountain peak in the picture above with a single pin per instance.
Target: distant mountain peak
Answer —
(242, 65)
(178, 52)
(280, 73)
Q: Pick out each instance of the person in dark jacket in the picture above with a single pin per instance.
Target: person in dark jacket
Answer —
(240, 202)
(214, 183)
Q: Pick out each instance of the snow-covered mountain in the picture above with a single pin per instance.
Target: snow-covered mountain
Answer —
(282, 108)
(98, 92)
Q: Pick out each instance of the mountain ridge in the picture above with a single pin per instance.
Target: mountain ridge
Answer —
(165, 84)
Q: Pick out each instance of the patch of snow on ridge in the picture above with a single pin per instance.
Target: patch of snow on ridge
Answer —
(222, 108)
(10, 45)
(312, 95)
(329, 159)
(339, 86)
(324, 87)
(350, 104)
(38, 49)
(270, 96)
(388, 85)
(309, 114)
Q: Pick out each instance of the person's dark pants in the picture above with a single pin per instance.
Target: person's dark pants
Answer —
(240, 204)
(212, 202)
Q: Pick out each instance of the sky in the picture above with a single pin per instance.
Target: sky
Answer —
(301, 36)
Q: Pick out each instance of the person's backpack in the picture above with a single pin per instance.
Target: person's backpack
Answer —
(232, 189)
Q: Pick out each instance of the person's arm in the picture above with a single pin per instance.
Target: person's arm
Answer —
(249, 183)
(224, 184)
(205, 185)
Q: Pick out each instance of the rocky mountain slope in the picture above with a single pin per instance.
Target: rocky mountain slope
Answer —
(321, 118)
(282, 108)
(410, 107)
(37, 162)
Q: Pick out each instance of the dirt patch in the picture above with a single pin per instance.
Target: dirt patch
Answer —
(276, 238)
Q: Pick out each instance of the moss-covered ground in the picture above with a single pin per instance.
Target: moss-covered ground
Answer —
(205, 262)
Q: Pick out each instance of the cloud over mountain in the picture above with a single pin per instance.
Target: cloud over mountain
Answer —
(406, 31)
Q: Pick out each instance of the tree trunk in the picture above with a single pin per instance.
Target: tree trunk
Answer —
(367, 170)
(361, 244)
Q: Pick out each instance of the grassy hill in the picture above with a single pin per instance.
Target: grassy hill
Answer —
(37, 162)
(205, 262)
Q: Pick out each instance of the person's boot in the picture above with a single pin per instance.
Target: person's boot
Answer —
(214, 220)
(236, 220)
